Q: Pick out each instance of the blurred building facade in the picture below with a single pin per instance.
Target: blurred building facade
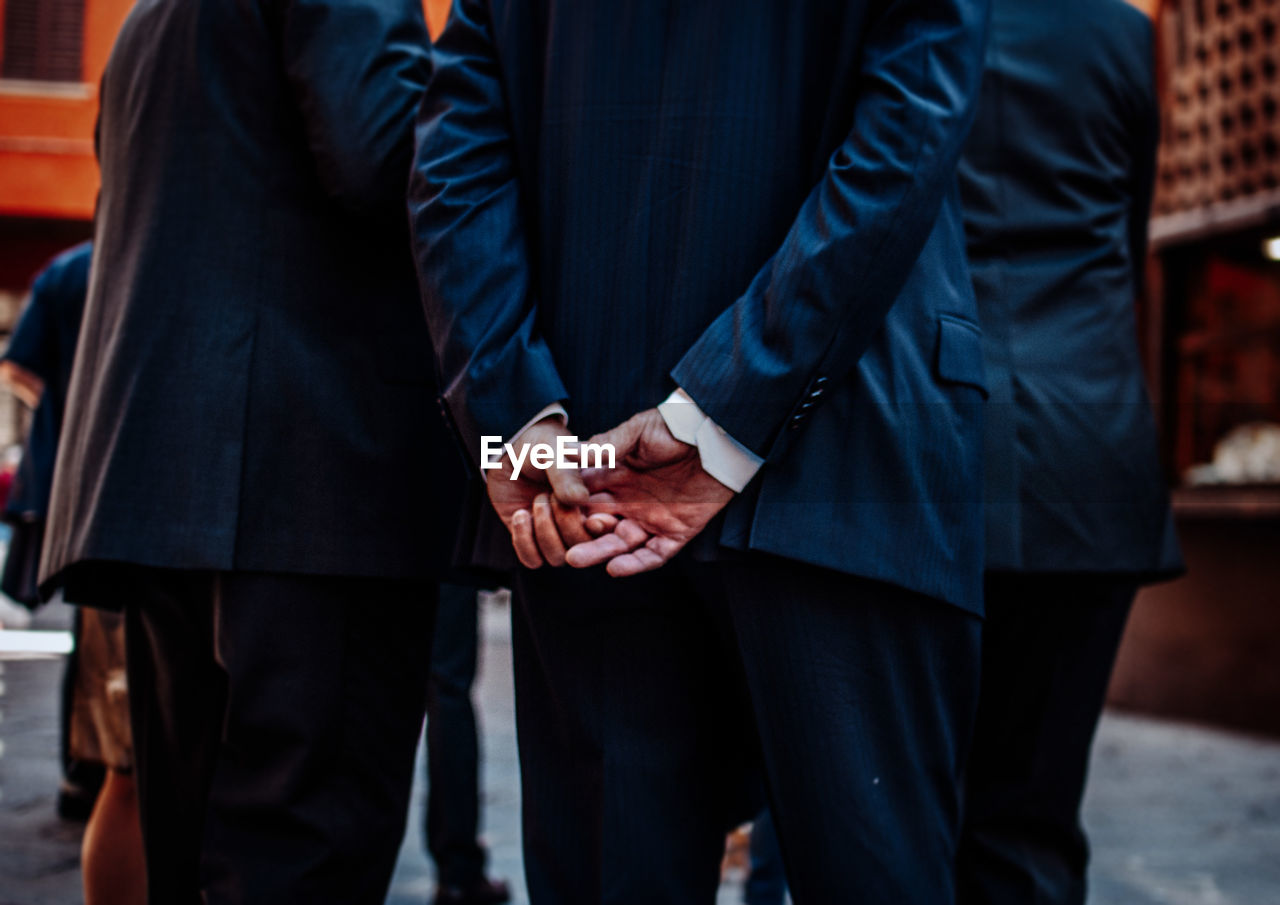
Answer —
(1208, 646)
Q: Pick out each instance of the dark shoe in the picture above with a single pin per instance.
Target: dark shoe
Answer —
(482, 892)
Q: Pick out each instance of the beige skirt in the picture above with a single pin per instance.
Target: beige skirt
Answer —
(100, 700)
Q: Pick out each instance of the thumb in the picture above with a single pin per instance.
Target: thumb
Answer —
(567, 485)
(625, 437)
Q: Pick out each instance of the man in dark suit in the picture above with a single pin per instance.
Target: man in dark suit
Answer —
(747, 210)
(1056, 181)
(247, 459)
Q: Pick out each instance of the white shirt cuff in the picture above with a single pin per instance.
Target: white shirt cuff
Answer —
(723, 457)
(554, 409)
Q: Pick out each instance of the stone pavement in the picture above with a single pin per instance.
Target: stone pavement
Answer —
(1179, 815)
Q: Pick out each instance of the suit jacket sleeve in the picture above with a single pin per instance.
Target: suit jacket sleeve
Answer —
(1146, 140)
(817, 303)
(358, 69)
(469, 241)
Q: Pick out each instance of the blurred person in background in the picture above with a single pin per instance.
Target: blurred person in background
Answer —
(112, 861)
(36, 367)
(97, 742)
(1056, 181)
(453, 754)
(249, 448)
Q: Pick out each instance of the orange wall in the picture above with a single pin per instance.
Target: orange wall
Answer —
(437, 13)
(47, 168)
(46, 133)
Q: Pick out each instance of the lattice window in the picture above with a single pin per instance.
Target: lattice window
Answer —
(43, 40)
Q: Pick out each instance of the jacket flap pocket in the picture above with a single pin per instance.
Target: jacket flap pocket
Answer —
(960, 352)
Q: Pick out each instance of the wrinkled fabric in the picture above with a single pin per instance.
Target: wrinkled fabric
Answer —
(755, 202)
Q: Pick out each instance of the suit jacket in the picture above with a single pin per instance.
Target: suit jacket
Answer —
(44, 343)
(1056, 181)
(754, 201)
(254, 387)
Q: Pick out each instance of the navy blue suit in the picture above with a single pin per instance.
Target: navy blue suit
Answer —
(755, 202)
(1056, 180)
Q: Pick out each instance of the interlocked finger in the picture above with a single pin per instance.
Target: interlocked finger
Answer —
(522, 539)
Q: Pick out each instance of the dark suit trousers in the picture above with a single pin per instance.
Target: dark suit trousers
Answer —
(275, 724)
(453, 749)
(1048, 646)
(646, 706)
(766, 882)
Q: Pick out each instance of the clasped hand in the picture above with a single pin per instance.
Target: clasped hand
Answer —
(634, 517)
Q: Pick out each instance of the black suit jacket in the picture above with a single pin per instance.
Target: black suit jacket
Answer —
(1056, 181)
(254, 385)
(754, 201)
